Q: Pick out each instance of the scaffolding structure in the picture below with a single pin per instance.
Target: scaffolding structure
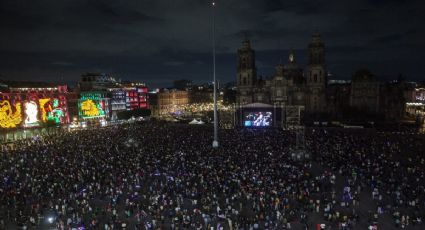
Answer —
(293, 118)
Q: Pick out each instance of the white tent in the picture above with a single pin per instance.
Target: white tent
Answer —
(194, 122)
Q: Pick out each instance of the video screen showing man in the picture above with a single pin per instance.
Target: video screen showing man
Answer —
(258, 119)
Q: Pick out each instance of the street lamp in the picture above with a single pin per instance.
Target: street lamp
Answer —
(215, 142)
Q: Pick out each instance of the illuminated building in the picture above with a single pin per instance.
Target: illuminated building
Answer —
(419, 94)
(415, 108)
(10, 116)
(44, 111)
(93, 105)
(136, 95)
(51, 102)
(364, 98)
(117, 101)
(32, 104)
(31, 114)
(51, 110)
(113, 96)
(89, 108)
(290, 85)
(131, 99)
(142, 93)
(168, 101)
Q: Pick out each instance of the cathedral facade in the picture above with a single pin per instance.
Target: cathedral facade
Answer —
(290, 85)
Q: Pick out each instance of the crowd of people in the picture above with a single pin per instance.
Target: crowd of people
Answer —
(167, 176)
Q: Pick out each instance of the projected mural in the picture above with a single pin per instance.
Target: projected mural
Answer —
(92, 108)
(31, 114)
(10, 117)
(45, 108)
(34, 107)
(51, 110)
(93, 105)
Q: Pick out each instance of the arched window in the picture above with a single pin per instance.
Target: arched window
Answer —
(315, 77)
(244, 81)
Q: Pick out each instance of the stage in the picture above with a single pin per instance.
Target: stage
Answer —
(261, 115)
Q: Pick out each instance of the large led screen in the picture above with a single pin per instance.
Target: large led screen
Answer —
(258, 119)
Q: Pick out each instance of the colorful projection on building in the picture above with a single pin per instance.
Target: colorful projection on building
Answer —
(92, 108)
(51, 110)
(31, 114)
(92, 105)
(8, 117)
(45, 108)
(32, 110)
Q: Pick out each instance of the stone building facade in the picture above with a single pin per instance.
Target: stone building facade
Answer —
(365, 91)
(167, 101)
(290, 85)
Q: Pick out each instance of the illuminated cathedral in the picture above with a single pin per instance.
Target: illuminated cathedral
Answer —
(290, 85)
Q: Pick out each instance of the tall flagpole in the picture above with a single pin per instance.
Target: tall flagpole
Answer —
(215, 142)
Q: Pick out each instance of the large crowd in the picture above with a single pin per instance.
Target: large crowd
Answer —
(167, 176)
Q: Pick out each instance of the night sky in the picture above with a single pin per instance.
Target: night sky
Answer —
(158, 41)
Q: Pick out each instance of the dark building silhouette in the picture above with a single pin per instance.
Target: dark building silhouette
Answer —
(290, 85)
(365, 97)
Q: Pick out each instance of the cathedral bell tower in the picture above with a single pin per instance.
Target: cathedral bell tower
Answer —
(316, 76)
(246, 73)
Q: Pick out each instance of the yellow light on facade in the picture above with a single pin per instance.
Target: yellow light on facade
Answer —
(8, 118)
(89, 108)
(42, 102)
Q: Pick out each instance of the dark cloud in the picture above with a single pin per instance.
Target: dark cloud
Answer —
(158, 41)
